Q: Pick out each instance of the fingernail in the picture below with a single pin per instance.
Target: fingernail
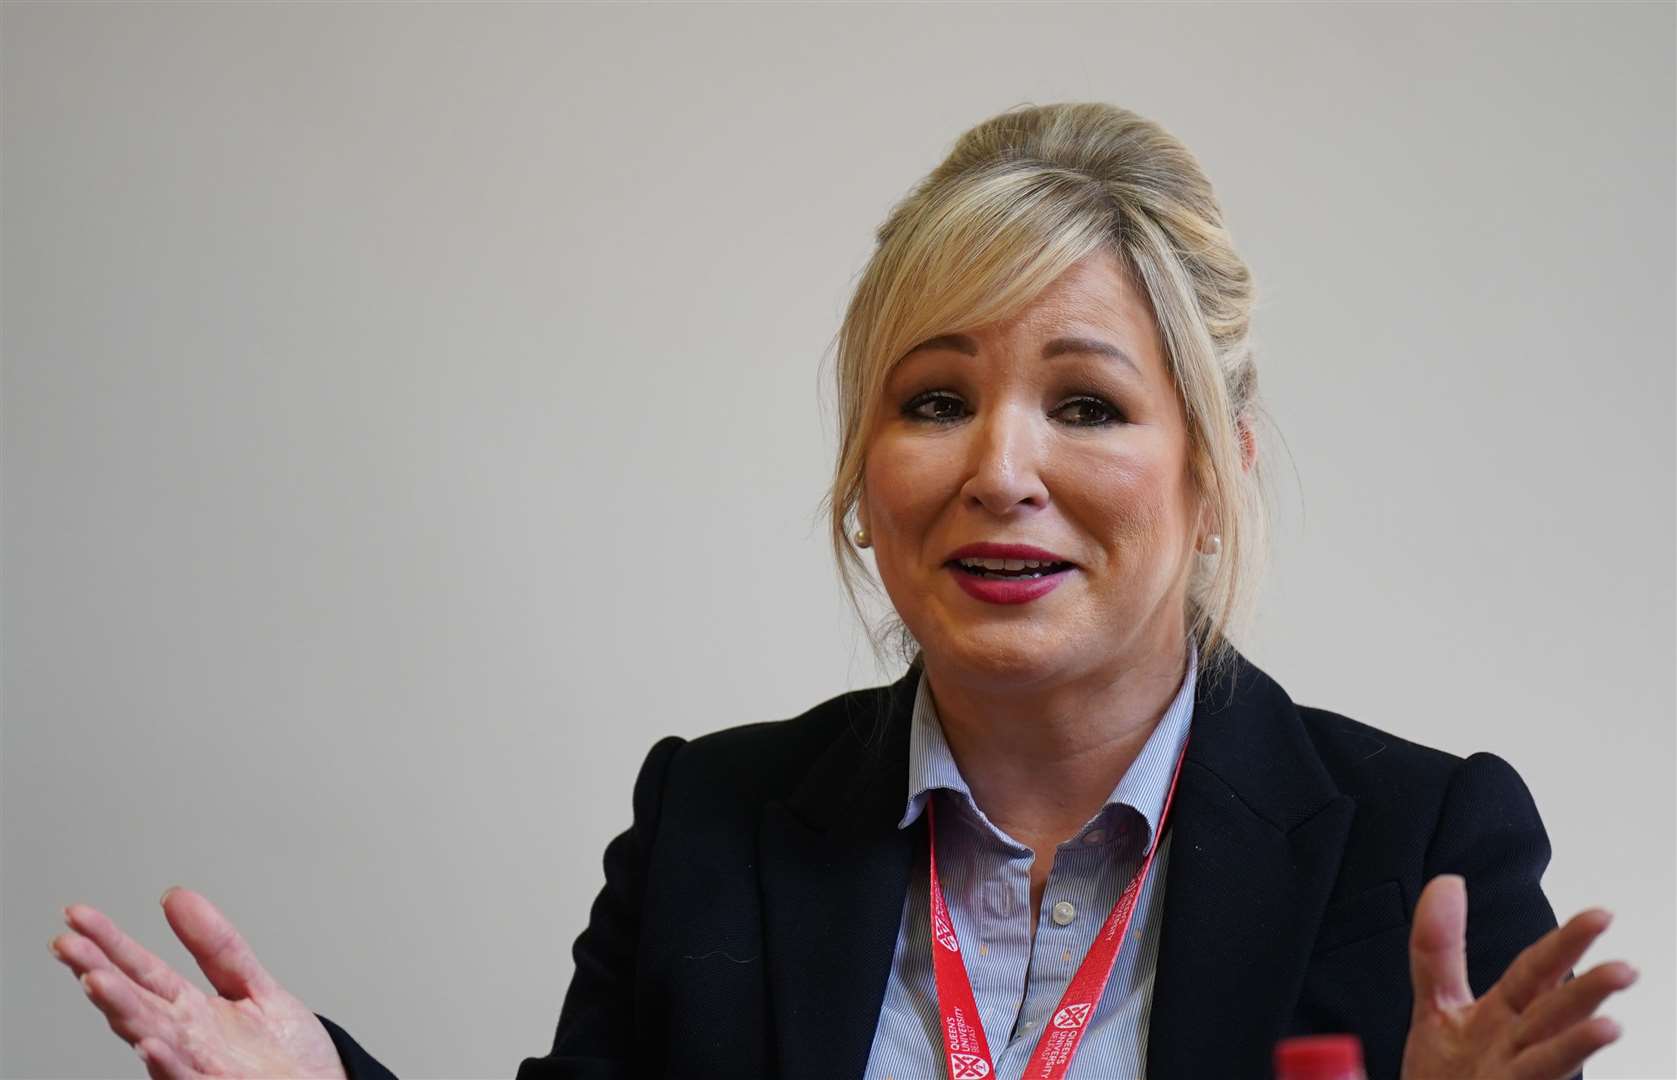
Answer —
(52, 947)
(65, 911)
(166, 893)
(87, 983)
(140, 1050)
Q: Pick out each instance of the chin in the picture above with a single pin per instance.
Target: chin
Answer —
(1001, 655)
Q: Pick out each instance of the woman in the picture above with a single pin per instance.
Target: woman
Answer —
(1147, 858)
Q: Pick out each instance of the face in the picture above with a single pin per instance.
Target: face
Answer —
(1060, 431)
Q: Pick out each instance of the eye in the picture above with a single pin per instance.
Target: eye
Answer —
(938, 406)
(1088, 411)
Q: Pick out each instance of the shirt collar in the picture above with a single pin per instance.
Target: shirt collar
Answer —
(1143, 787)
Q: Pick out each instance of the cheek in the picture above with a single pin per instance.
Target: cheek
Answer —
(905, 490)
(1132, 505)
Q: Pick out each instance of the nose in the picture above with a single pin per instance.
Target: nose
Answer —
(1004, 474)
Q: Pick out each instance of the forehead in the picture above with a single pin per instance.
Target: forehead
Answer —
(1094, 293)
(1094, 306)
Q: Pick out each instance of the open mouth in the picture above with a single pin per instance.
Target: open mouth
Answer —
(1009, 569)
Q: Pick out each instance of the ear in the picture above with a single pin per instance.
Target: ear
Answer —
(1206, 525)
(1248, 443)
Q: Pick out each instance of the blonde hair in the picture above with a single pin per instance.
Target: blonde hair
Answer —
(1020, 198)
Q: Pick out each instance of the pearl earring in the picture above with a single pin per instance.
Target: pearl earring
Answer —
(863, 539)
(1215, 540)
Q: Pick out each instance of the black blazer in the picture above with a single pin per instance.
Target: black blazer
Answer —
(749, 915)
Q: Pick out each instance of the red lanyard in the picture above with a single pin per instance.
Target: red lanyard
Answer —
(963, 1029)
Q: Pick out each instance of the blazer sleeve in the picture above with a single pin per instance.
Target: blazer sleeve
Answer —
(596, 1036)
(1489, 832)
(358, 1064)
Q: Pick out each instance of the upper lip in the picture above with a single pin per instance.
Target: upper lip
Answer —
(1005, 551)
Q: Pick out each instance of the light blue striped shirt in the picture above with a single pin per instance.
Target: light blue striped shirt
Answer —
(986, 882)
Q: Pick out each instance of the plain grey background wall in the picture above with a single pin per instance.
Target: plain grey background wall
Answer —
(412, 412)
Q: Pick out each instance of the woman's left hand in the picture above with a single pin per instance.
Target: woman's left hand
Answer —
(1534, 1024)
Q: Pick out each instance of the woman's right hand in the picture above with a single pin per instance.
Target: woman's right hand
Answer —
(251, 1027)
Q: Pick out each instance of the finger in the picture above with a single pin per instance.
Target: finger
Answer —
(1546, 961)
(162, 1063)
(134, 959)
(221, 952)
(114, 995)
(1572, 1002)
(1438, 945)
(81, 955)
(1565, 1054)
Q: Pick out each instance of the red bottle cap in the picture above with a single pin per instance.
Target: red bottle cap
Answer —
(1319, 1057)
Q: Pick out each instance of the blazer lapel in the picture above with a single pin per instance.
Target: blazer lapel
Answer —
(834, 871)
(1258, 828)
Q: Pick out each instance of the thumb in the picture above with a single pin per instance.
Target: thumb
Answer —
(221, 952)
(1438, 946)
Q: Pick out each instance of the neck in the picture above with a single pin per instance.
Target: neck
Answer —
(1042, 760)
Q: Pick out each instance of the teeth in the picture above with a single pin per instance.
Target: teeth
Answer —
(1005, 564)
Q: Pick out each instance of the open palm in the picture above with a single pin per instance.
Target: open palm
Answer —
(1534, 1024)
(249, 1027)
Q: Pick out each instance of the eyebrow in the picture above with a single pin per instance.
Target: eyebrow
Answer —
(1087, 346)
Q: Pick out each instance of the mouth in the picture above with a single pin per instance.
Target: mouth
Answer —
(1007, 561)
(1008, 569)
(1007, 573)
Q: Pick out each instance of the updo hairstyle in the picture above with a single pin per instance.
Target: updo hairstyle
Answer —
(1020, 198)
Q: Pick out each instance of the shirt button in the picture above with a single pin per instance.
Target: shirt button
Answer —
(1064, 913)
(1095, 836)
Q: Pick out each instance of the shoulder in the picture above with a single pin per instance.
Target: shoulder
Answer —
(1365, 760)
(1289, 760)
(768, 760)
(1373, 765)
(1428, 809)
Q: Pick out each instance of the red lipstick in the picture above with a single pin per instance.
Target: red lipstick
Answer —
(998, 585)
